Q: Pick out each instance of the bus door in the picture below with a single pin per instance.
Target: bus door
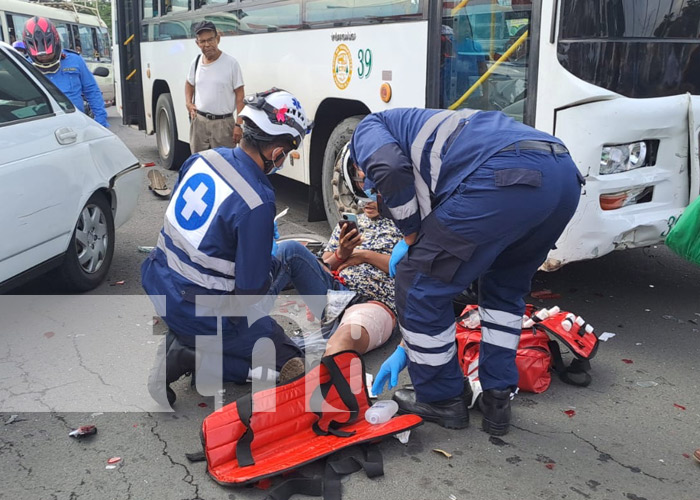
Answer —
(484, 55)
(128, 40)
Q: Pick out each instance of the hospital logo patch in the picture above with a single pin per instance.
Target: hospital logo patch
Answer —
(195, 202)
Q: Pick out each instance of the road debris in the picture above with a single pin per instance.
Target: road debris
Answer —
(48, 335)
(13, 419)
(403, 437)
(438, 450)
(202, 405)
(570, 413)
(82, 431)
(114, 460)
(120, 282)
(628, 361)
(680, 407)
(144, 249)
(545, 294)
(605, 336)
(647, 383)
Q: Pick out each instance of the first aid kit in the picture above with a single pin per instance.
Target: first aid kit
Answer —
(538, 352)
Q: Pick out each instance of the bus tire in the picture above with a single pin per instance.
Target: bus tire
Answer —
(172, 152)
(337, 197)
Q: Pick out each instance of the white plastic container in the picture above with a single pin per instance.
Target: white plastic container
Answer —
(381, 411)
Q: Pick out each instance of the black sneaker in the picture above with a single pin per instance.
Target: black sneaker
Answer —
(495, 406)
(451, 413)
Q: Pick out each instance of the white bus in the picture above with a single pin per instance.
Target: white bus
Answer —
(617, 81)
(80, 27)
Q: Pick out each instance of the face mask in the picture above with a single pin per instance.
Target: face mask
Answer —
(372, 196)
(269, 165)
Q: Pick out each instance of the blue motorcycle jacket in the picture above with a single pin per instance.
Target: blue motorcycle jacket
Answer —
(74, 79)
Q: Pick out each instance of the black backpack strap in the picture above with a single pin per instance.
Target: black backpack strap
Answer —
(244, 405)
(300, 485)
(373, 464)
(329, 486)
(574, 374)
(341, 384)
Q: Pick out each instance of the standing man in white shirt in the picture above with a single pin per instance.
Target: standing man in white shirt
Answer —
(213, 92)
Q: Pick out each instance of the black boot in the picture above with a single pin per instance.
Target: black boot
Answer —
(173, 360)
(451, 413)
(495, 406)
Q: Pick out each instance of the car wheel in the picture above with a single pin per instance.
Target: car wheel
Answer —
(172, 152)
(91, 247)
(337, 197)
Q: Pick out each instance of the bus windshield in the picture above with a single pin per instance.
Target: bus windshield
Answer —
(637, 49)
(484, 55)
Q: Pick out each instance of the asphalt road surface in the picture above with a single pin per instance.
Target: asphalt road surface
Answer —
(75, 360)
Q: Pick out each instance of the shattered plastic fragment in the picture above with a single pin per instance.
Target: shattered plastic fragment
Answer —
(12, 419)
(83, 430)
(202, 405)
(545, 294)
(149, 164)
(680, 407)
(114, 460)
(403, 436)
(570, 413)
(153, 322)
(605, 336)
(48, 335)
(120, 282)
(647, 383)
(628, 361)
(143, 249)
(110, 467)
(438, 450)
(549, 466)
(686, 455)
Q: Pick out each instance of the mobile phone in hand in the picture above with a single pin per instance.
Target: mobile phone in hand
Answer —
(349, 219)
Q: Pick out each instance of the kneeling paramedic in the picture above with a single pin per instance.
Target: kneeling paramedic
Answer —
(217, 240)
(478, 196)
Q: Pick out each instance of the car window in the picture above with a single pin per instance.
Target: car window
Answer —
(63, 101)
(20, 97)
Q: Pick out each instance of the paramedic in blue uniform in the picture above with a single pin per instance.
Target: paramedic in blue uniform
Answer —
(66, 69)
(477, 195)
(217, 239)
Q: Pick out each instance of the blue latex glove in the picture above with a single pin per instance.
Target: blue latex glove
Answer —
(399, 252)
(390, 370)
(276, 235)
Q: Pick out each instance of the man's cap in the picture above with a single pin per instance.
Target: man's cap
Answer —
(203, 25)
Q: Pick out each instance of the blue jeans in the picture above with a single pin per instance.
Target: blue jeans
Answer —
(303, 270)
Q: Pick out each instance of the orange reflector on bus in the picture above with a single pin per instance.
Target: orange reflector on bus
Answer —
(613, 201)
(385, 92)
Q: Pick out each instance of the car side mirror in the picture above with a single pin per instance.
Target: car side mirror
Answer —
(100, 71)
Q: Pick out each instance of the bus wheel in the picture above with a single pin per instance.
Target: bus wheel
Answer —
(337, 197)
(171, 151)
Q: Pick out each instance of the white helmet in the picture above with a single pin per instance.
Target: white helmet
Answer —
(277, 113)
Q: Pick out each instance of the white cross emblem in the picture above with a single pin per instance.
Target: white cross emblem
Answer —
(194, 201)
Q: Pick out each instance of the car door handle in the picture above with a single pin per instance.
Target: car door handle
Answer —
(65, 135)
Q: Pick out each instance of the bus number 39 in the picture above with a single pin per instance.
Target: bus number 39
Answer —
(365, 58)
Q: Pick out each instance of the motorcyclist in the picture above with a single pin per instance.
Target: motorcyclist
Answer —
(66, 69)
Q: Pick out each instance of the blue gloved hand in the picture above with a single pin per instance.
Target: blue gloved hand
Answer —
(390, 370)
(398, 253)
(276, 235)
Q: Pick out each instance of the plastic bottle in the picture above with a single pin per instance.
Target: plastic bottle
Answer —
(381, 411)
